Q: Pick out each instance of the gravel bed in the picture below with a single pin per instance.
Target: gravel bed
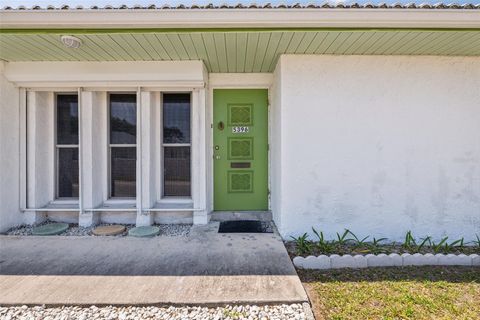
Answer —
(280, 312)
(20, 231)
(167, 230)
(174, 230)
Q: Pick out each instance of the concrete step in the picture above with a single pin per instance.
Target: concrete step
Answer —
(241, 215)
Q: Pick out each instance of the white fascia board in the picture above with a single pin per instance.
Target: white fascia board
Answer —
(240, 80)
(242, 18)
(107, 73)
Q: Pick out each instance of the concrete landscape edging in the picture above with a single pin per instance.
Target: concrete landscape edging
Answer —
(335, 261)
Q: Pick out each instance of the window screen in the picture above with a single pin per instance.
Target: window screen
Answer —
(123, 119)
(176, 118)
(68, 172)
(67, 185)
(176, 145)
(123, 172)
(67, 119)
(177, 171)
(123, 132)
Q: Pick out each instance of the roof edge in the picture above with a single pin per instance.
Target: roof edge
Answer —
(240, 18)
(244, 5)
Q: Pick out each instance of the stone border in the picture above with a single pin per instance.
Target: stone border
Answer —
(336, 261)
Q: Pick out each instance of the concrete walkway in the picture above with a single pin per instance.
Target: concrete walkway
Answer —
(205, 268)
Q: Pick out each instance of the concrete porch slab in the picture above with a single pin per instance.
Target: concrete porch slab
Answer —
(205, 268)
(241, 215)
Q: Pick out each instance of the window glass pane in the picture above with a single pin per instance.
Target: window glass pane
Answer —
(176, 118)
(123, 118)
(67, 119)
(123, 171)
(67, 172)
(176, 163)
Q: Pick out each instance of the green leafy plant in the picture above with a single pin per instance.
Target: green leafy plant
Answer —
(375, 245)
(342, 239)
(348, 242)
(303, 245)
(376, 242)
(409, 242)
(459, 244)
(358, 242)
(233, 314)
(437, 247)
(422, 244)
(323, 245)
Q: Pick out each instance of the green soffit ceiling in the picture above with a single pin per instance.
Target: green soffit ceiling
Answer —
(233, 50)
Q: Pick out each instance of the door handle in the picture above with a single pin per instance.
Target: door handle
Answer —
(221, 126)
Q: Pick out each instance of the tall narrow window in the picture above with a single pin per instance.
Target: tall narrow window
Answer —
(67, 145)
(176, 145)
(123, 139)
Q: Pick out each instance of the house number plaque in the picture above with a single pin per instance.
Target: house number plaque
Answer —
(240, 129)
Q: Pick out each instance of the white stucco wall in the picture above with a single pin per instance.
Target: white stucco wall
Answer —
(379, 145)
(9, 154)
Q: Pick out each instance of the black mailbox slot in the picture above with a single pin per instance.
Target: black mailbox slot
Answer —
(239, 165)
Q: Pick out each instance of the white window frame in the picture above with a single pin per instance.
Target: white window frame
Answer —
(57, 198)
(110, 198)
(162, 196)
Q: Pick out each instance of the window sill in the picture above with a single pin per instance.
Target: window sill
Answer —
(64, 202)
(174, 204)
(120, 201)
(183, 200)
(56, 206)
(117, 205)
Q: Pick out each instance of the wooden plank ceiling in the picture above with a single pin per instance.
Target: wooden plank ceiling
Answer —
(250, 51)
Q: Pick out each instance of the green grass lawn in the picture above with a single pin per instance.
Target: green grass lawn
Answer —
(394, 293)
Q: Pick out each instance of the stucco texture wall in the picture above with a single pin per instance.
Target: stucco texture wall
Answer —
(379, 145)
(9, 154)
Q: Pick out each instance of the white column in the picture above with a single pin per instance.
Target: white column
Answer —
(199, 145)
(40, 154)
(23, 148)
(94, 151)
(148, 143)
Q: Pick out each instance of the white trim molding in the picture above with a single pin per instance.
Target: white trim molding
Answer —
(58, 74)
(242, 18)
(240, 80)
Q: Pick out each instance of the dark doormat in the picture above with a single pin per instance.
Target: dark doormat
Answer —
(245, 226)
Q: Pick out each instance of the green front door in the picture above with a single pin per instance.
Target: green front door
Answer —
(240, 155)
